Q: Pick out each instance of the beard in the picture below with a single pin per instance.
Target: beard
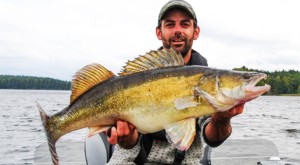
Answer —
(183, 50)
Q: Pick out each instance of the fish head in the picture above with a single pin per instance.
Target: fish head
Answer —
(224, 89)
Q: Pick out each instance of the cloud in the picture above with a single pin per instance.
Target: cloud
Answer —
(56, 38)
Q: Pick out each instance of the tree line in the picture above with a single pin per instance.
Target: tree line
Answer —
(29, 82)
(282, 82)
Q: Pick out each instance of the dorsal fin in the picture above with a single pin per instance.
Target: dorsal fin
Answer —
(153, 60)
(87, 77)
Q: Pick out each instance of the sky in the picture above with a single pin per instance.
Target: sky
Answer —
(56, 38)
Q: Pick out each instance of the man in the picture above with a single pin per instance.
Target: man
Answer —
(177, 28)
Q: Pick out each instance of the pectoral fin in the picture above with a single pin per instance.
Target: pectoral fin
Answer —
(185, 102)
(218, 105)
(97, 129)
(181, 133)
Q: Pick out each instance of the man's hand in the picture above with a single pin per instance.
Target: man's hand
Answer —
(224, 117)
(124, 134)
(219, 128)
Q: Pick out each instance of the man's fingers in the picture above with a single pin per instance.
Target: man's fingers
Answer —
(113, 138)
(238, 109)
(120, 133)
(126, 128)
(122, 128)
(131, 126)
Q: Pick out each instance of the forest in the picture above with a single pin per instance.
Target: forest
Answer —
(30, 82)
(282, 82)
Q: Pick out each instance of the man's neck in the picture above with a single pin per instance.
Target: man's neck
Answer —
(187, 57)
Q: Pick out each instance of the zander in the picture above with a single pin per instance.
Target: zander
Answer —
(153, 92)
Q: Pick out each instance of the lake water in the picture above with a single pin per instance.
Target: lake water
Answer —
(275, 118)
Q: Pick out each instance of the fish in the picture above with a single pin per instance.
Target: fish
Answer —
(154, 92)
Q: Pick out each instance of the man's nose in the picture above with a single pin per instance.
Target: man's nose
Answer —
(177, 31)
(177, 34)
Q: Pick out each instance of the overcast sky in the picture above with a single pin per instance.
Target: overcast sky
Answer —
(56, 38)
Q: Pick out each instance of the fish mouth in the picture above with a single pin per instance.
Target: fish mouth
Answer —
(255, 90)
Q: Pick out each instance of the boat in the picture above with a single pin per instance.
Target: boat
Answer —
(97, 151)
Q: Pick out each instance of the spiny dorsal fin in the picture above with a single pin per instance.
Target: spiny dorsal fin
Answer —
(153, 60)
(88, 77)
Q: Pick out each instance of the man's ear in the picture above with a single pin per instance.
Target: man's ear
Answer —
(196, 32)
(158, 33)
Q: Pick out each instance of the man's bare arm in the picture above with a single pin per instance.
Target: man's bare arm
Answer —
(219, 128)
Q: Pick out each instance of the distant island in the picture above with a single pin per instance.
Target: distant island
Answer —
(282, 82)
(30, 82)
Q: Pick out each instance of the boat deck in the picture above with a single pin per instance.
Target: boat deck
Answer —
(232, 151)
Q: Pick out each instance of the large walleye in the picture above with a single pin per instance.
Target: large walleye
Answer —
(153, 92)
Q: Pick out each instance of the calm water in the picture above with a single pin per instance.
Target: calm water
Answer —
(269, 117)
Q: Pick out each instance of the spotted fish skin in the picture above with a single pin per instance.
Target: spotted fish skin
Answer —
(153, 92)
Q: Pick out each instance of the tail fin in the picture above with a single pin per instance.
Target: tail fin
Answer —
(51, 140)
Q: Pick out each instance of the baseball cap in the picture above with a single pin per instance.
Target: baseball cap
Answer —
(176, 4)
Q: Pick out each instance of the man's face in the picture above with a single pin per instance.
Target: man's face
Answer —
(177, 31)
